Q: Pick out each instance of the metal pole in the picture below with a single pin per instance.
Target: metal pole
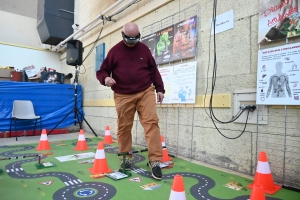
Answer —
(256, 148)
(136, 140)
(178, 129)
(83, 27)
(284, 147)
(166, 113)
(192, 139)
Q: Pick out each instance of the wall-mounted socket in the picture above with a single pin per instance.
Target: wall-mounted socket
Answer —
(248, 97)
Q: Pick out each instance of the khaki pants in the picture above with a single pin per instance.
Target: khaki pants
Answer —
(144, 103)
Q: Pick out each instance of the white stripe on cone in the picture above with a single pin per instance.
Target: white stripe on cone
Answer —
(177, 195)
(100, 154)
(107, 132)
(263, 168)
(81, 137)
(44, 137)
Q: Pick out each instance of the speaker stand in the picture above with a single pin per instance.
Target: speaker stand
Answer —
(76, 111)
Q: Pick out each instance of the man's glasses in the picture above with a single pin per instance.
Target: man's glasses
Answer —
(131, 40)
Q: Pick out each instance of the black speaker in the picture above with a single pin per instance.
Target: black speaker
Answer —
(74, 52)
(54, 20)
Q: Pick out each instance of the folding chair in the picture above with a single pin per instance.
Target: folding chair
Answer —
(23, 110)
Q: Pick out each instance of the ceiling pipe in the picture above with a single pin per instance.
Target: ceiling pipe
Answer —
(60, 45)
(109, 17)
(122, 8)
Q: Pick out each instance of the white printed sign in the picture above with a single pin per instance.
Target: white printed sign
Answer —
(224, 22)
(278, 76)
(76, 156)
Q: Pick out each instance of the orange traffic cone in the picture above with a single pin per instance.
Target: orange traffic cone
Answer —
(81, 144)
(107, 136)
(177, 192)
(100, 164)
(165, 151)
(263, 175)
(257, 193)
(44, 143)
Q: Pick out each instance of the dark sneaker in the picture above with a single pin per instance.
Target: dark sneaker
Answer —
(127, 164)
(156, 171)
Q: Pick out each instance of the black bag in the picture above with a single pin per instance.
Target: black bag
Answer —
(52, 77)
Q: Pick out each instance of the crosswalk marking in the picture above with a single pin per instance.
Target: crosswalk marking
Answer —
(14, 170)
(73, 182)
(138, 170)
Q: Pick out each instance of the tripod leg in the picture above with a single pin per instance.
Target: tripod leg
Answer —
(61, 121)
(85, 122)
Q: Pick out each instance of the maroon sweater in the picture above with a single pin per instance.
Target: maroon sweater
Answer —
(133, 68)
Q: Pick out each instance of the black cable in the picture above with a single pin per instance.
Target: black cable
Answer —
(213, 83)
(236, 136)
(84, 69)
(91, 50)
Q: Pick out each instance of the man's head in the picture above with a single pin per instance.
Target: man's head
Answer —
(131, 34)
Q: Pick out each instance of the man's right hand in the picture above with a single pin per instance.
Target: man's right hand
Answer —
(109, 81)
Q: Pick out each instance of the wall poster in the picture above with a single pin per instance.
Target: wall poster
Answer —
(278, 19)
(175, 42)
(180, 83)
(166, 75)
(185, 39)
(164, 45)
(278, 75)
(150, 42)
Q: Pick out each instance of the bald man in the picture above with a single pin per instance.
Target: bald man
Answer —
(129, 69)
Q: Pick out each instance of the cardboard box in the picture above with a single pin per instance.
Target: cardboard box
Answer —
(5, 73)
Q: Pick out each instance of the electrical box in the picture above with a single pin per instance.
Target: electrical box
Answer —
(248, 97)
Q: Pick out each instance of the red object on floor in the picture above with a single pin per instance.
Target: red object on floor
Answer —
(107, 136)
(263, 175)
(100, 164)
(165, 157)
(257, 193)
(81, 144)
(44, 143)
(178, 191)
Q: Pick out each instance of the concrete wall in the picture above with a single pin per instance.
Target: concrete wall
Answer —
(20, 45)
(20, 30)
(188, 131)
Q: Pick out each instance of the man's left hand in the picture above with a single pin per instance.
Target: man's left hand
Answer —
(160, 97)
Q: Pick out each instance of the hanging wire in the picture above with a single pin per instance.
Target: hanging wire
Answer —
(211, 114)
